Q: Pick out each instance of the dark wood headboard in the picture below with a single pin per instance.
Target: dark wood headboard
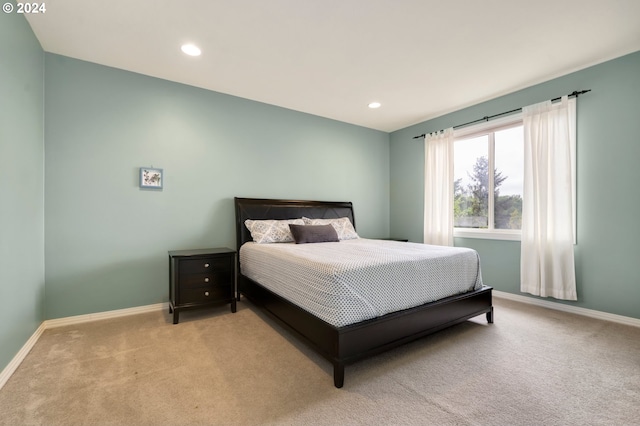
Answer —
(261, 209)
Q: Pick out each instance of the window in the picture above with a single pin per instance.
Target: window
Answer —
(489, 205)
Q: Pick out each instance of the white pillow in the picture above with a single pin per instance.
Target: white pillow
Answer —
(343, 226)
(271, 231)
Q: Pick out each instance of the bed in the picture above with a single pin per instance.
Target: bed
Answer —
(339, 342)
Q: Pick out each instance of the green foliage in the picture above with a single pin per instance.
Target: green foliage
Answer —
(508, 212)
(471, 204)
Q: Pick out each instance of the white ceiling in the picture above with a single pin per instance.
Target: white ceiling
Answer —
(419, 58)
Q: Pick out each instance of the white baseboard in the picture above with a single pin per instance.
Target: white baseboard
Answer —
(635, 322)
(8, 371)
(78, 319)
(20, 356)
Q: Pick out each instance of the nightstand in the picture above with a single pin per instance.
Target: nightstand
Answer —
(201, 278)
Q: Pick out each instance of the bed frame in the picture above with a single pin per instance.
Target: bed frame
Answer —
(345, 345)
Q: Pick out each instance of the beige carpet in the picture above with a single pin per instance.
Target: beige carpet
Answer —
(532, 367)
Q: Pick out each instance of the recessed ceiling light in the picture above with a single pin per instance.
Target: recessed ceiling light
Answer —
(191, 49)
(374, 105)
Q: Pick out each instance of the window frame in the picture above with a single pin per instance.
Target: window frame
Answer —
(489, 127)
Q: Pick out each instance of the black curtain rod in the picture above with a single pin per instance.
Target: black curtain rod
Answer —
(489, 117)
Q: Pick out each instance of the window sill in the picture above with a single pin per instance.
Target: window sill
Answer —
(487, 235)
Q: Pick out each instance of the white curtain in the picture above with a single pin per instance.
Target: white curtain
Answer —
(547, 264)
(438, 188)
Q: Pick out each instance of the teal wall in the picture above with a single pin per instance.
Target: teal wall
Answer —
(21, 185)
(607, 254)
(106, 240)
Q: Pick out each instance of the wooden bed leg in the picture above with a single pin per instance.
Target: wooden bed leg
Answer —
(338, 374)
(490, 316)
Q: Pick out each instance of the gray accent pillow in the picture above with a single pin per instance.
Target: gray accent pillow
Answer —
(303, 234)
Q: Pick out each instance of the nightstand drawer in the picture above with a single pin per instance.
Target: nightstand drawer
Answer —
(202, 295)
(216, 278)
(201, 266)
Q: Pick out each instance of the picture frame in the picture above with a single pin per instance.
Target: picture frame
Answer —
(151, 178)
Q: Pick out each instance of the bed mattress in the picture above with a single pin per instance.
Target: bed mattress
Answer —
(350, 281)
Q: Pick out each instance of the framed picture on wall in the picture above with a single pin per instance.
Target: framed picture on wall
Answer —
(151, 178)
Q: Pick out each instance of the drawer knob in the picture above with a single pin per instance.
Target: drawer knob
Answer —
(206, 265)
(206, 280)
(206, 293)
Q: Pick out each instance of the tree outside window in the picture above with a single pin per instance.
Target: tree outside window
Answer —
(482, 200)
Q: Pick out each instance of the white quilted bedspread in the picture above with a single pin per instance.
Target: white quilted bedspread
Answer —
(355, 280)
